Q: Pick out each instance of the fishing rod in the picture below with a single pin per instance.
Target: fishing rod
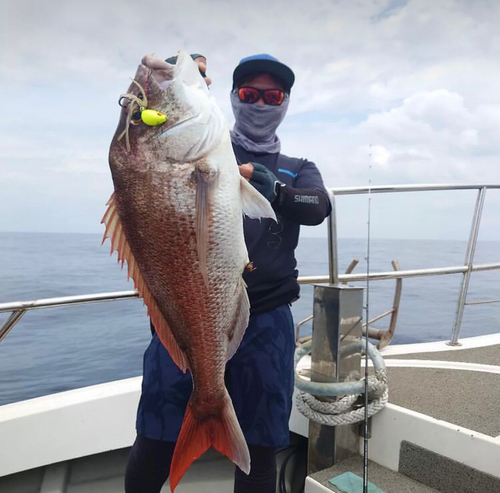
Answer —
(367, 312)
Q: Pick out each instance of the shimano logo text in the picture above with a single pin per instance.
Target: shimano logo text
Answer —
(307, 199)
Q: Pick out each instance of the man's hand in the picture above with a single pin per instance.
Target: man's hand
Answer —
(246, 170)
(202, 65)
(261, 178)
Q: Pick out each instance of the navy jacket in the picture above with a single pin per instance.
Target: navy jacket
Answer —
(271, 246)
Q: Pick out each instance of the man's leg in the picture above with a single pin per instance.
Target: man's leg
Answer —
(262, 477)
(148, 465)
(260, 378)
(165, 393)
(260, 381)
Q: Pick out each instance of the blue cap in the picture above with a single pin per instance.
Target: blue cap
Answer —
(264, 64)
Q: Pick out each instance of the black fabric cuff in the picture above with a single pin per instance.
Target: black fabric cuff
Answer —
(305, 206)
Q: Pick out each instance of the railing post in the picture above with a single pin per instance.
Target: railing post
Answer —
(15, 316)
(469, 259)
(333, 263)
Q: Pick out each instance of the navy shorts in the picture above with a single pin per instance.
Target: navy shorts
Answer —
(259, 378)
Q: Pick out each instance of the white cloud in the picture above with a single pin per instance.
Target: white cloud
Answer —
(380, 155)
(417, 80)
(433, 136)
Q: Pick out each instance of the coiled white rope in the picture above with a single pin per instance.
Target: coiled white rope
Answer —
(341, 411)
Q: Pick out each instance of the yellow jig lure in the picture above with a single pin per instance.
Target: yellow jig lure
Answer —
(153, 117)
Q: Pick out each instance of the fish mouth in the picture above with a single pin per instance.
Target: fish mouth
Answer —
(164, 74)
(164, 129)
(195, 124)
(176, 126)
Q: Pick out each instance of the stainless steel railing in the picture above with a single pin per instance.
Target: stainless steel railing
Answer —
(19, 308)
(466, 269)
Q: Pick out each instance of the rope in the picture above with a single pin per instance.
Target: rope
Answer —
(135, 103)
(342, 411)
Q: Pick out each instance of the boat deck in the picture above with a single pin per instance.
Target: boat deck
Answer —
(388, 481)
(460, 386)
(105, 473)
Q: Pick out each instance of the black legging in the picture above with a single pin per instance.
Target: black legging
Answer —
(149, 465)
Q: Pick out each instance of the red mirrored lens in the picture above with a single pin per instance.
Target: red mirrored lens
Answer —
(273, 97)
(248, 94)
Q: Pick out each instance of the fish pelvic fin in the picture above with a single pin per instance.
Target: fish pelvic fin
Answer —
(240, 321)
(254, 204)
(115, 232)
(222, 431)
(205, 185)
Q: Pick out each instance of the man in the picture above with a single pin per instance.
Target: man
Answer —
(260, 376)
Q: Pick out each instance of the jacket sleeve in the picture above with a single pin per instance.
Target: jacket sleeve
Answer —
(307, 201)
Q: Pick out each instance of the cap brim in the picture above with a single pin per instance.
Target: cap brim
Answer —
(278, 69)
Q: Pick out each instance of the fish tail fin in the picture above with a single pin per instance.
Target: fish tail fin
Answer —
(221, 431)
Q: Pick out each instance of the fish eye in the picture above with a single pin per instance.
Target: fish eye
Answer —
(136, 118)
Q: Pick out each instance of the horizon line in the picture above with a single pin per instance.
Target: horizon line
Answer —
(313, 237)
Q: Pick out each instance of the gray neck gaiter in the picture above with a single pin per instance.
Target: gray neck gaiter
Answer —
(255, 125)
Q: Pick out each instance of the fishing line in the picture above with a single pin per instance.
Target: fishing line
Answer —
(367, 311)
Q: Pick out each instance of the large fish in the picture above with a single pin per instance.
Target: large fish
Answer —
(175, 217)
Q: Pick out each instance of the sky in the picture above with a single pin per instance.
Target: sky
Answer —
(387, 92)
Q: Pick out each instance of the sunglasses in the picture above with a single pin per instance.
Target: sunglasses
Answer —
(251, 95)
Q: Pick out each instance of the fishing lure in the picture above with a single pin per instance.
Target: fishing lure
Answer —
(148, 116)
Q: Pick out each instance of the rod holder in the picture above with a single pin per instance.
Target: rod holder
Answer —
(337, 322)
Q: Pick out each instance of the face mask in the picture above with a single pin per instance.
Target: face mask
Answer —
(256, 124)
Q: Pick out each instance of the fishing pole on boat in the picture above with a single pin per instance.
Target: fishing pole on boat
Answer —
(367, 312)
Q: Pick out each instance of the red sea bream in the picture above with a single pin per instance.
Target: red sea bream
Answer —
(175, 218)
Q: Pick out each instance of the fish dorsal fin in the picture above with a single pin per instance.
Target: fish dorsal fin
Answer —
(114, 231)
(253, 203)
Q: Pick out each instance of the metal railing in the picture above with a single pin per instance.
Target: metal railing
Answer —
(466, 269)
(383, 336)
(19, 308)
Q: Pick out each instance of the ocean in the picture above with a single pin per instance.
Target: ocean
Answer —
(58, 349)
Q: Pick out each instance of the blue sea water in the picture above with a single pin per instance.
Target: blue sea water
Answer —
(57, 349)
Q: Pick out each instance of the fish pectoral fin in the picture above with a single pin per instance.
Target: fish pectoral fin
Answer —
(204, 219)
(240, 321)
(222, 431)
(253, 203)
(114, 230)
